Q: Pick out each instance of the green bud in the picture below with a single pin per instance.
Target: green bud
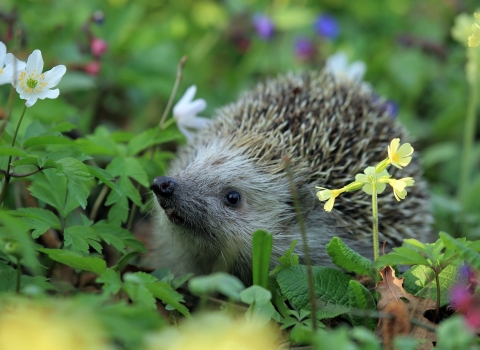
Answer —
(382, 165)
(354, 186)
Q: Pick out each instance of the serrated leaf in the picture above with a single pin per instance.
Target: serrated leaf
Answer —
(105, 177)
(128, 167)
(73, 168)
(46, 140)
(420, 280)
(218, 282)
(76, 190)
(42, 186)
(140, 295)
(286, 260)
(67, 257)
(262, 250)
(111, 281)
(348, 259)
(471, 257)
(80, 238)
(331, 285)
(360, 298)
(37, 219)
(167, 295)
(118, 237)
(415, 244)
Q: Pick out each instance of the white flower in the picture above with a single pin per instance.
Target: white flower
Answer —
(32, 84)
(339, 67)
(185, 112)
(8, 64)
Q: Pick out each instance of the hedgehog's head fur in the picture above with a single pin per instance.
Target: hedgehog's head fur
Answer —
(330, 129)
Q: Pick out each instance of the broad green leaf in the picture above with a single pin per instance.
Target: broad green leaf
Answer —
(167, 295)
(331, 285)
(12, 151)
(46, 140)
(415, 244)
(130, 167)
(402, 256)
(111, 281)
(262, 250)
(361, 299)
(80, 238)
(73, 168)
(42, 186)
(149, 138)
(67, 257)
(470, 256)
(8, 278)
(348, 259)
(77, 194)
(218, 282)
(64, 127)
(37, 219)
(29, 160)
(420, 280)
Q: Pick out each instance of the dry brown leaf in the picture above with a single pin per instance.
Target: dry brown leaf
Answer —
(391, 290)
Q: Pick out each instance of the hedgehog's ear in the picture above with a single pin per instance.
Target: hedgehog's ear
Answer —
(306, 198)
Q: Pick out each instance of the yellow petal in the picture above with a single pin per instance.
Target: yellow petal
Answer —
(324, 195)
(329, 204)
(405, 150)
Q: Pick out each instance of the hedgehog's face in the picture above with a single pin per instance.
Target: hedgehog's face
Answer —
(219, 198)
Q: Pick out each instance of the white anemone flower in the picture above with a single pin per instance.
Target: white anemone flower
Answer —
(338, 65)
(8, 65)
(185, 112)
(32, 84)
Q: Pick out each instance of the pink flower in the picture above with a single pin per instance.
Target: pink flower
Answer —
(467, 304)
(98, 47)
(92, 68)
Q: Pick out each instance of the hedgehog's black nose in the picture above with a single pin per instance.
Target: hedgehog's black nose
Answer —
(163, 186)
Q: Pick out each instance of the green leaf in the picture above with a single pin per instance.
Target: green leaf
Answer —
(30, 160)
(67, 257)
(331, 285)
(111, 281)
(360, 298)
(262, 250)
(118, 237)
(46, 140)
(8, 278)
(261, 309)
(420, 280)
(130, 167)
(73, 168)
(218, 282)
(37, 219)
(80, 238)
(286, 260)
(42, 186)
(149, 138)
(348, 259)
(12, 151)
(123, 261)
(104, 176)
(168, 295)
(470, 256)
(402, 256)
(64, 127)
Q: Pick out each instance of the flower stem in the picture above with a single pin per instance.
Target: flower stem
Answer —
(8, 111)
(7, 174)
(375, 220)
(19, 276)
(468, 138)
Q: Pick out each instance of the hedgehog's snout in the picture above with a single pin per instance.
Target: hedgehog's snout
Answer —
(163, 186)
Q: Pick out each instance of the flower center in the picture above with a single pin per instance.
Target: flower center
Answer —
(32, 83)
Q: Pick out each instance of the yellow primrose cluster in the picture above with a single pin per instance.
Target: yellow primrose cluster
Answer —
(378, 176)
(474, 38)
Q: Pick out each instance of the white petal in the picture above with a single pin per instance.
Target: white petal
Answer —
(54, 75)
(47, 93)
(186, 98)
(31, 100)
(10, 59)
(356, 71)
(190, 109)
(337, 63)
(3, 53)
(197, 123)
(7, 75)
(35, 63)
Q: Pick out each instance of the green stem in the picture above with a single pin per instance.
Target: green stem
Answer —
(19, 275)
(8, 112)
(375, 220)
(437, 280)
(468, 138)
(7, 175)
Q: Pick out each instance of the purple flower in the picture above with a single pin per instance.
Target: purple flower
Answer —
(304, 49)
(391, 107)
(327, 26)
(264, 26)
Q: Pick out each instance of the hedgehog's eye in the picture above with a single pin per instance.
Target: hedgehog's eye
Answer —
(232, 199)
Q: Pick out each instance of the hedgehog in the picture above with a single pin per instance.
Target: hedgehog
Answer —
(231, 180)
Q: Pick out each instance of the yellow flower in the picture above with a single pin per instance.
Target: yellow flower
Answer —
(474, 39)
(370, 175)
(27, 325)
(399, 156)
(398, 186)
(215, 332)
(330, 195)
